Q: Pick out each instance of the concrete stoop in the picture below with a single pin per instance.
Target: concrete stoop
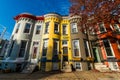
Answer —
(29, 68)
(102, 67)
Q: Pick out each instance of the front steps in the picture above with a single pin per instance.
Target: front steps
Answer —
(101, 67)
(29, 68)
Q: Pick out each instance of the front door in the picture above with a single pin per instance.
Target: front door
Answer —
(113, 66)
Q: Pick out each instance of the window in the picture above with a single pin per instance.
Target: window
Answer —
(35, 49)
(56, 27)
(17, 28)
(87, 51)
(64, 29)
(45, 45)
(55, 47)
(116, 27)
(118, 43)
(46, 28)
(11, 48)
(74, 28)
(22, 49)
(38, 28)
(64, 42)
(107, 47)
(77, 65)
(76, 48)
(102, 28)
(27, 28)
(65, 50)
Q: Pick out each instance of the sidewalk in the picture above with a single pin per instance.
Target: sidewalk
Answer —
(82, 75)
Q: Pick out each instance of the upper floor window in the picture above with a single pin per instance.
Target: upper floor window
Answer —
(17, 28)
(74, 28)
(64, 42)
(38, 29)
(102, 27)
(64, 29)
(107, 47)
(22, 49)
(56, 27)
(76, 48)
(116, 27)
(46, 28)
(27, 28)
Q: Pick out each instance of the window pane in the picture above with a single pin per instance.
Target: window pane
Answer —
(64, 42)
(76, 48)
(46, 27)
(45, 45)
(102, 27)
(56, 27)
(22, 49)
(17, 28)
(55, 47)
(64, 29)
(74, 27)
(107, 47)
(38, 28)
(27, 28)
(65, 50)
(78, 65)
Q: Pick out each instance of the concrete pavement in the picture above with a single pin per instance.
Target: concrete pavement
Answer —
(81, 75)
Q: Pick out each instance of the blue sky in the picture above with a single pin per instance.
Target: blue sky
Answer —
(11, 8)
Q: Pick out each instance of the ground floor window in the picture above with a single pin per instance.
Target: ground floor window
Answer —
(78, 65)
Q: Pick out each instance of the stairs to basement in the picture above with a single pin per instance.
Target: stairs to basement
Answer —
(102, 67)
(29, 68)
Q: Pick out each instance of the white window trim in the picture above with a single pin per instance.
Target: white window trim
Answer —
(45, 28)
(25, 27)
(43, 46)
(25, 48)
(80, 66)
(37, 47)
(65, 45)
(103, 27)
(118, 44)
(72, 27)
(88, 48)
(118, 28)
(66, 29)
(36, 29)
(110, 48)
(57, 26)
(73, 49)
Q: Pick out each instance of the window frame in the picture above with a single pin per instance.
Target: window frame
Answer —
(103, 27)
(79, 66)
(37, 29)
(25, 28)
(22, 49)
(109, 47)
(74, 48)
(57, 49)
(17, 28)
(66, 31)
(76, 28)
(46, 25)
(56, 32)
(45, 46)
